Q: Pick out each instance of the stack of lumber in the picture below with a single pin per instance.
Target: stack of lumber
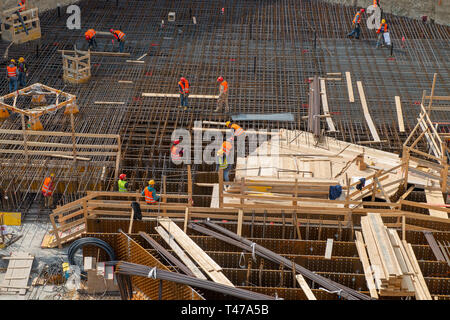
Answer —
(390, 266)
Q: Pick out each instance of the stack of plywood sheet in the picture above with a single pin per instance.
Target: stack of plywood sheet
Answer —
(393, 268)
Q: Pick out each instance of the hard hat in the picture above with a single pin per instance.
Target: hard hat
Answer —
(383, 21)
(21, 59)
(52, 174)
(176, 142)
(220, 79)
(362, 10)
(182, 79)
(87, 37)
(220, 152)
(228, 123)
(111, 30)
(13, 61)
(123, 176)
(151, 182)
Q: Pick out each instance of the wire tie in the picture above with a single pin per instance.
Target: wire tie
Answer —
(152, 273)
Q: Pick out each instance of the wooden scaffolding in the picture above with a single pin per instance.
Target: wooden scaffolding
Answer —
(19, 29)
(77, 68)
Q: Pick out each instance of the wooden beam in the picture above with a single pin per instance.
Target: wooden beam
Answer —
(326, 110)
(306, 289)
(329, 248)
(177, 95)
(369, 120)
(100, 53)
(351, 97)
(398, 105)
(360, 246)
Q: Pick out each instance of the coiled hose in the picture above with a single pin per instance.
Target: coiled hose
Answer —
(89, 241)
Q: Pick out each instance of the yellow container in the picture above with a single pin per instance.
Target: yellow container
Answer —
(11, 218)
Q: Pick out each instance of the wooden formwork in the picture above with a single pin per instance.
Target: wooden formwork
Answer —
(13, 29)
(77, 68)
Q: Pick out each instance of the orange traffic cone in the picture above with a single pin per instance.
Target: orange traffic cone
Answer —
(35, 124)
(71, 108)
(4, 113)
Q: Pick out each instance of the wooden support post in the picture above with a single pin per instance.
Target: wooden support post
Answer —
(432, 94)
(72, 125)
(220, 188)
(130, 228)
(164, 197)
(186, 219)
(55, 231)
(242, 192)
(189, 185)
(239, 223)
(405, 155)
(403, 227)
(294, 203)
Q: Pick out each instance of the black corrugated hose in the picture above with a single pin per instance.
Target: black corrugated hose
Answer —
(89, 241)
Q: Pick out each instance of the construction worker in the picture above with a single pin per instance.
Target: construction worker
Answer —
(356, 24)
(90, 38)
(376, 3)
(21, 3)
(176, 152)
(120, 36)
(11, 73)
(223, 164)
(122, 183)
(223, 95)
(23, 72)
(150, 193)
(183, 87)
(381, 30)
(47, 190)
(226, 147)
(237, 130)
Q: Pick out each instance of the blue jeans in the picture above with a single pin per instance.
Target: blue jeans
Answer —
(93, 43)
(226, 173)
(22, 79)
(13, 84)
(184, 100)
(356, 31)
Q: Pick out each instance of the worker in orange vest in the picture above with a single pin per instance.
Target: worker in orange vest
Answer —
(47, 190)
(376, 3)
(223, 95)
(150, 193)
(176, 152)
(226, 147)
(90, 38)
(120, 36)
(356, 24)
(12, 75)
(183, 87)
(21, 3)
(237, 130)
(381, 31)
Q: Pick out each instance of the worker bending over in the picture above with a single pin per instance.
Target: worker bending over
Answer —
(90, 38)
(223, 95)
(21, 3)
(11, 74)
(356, 24)
(122, 183)
(23, 72)
(150, 193)
(120, 36)
(223, 164)
(183, 87)
(237, 130)
(47, 190)
(176, 152)
(381, 31)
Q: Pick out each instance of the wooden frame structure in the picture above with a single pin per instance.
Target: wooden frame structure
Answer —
(77, 68)
(33, 114)
(12, 28)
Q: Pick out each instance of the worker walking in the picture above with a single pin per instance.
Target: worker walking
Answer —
(21, 3)
(223, 95)
(183, 87)
(47, 190)
(176, 152)
(356, 25)
(223, 164)
(23, 72)
(120, 36)
(122, 183)
(90, 36)
(381, 31)
(11, 73)
(150, 193)
(237, 130)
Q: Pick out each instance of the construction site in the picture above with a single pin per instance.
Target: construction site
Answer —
(224, 150)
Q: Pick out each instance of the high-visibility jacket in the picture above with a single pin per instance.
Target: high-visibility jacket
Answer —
(90, 33)
(223, 164)
(12, 71)
(122, 185)
(383, 28)
(237, 130)
(375, 3)
(226, 147)
(23, 67)
(175, 153)
(47, 187)
(183, 86)
(21, 3)
(224, 86)
(149, 195)
(357, 18)
(119, 34)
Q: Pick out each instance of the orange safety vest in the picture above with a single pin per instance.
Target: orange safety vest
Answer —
(224, 84)
(381, 27)
(375, 3)
(149, 196)
(12, 71)
(184, 86)
(119, 34)
(175, 153)
(357, 18)
(46, 190)
(21, 3)
(237, 130)
(90, 33)
(226, 147)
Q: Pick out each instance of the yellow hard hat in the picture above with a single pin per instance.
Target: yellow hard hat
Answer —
(52, 174)
(21, 59)
(383, 21)
(151, 182)
(228, 123)
(220, 152)
(13, 61)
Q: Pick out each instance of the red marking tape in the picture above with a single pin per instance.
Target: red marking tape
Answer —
(232, 59)
(155, 44)
(224, 220)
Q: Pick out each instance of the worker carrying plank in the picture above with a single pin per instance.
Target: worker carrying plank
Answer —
(11, 74)
(122, 183)
(176, 152)
(47, 190)
(223, 164)
(223, 95)
(356, 25)
(150, 193)
(237, 130)
(120, 36)
(183, 87)
(23, 72)
(90, 36)
(383, 34)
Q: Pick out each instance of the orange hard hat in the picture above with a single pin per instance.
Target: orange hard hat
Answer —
(87, 37)
(182, 79)
(220, 79)
(111, 30)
